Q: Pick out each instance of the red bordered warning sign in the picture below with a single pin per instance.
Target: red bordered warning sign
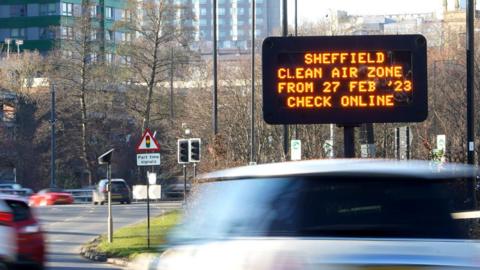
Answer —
(148, 143)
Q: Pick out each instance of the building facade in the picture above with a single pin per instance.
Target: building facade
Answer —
(43, 24)
(234, 22)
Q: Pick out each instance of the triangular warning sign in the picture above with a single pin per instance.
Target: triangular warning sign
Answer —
(148, 143)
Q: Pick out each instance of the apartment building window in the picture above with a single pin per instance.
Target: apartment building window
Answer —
(66, 32)
(203, 11)
(110, 35)
(93, 11)
(221, 11)
(126, 15)
(240, 22)
(109, 13)
(222, 34)
(67, 9)
(93, 35)
(92, 58)
(17, 33)
(259, 11)
(47, 33)
(126, 37)
(240, 11)
(109, 58)
(203, 22)
(125, 60)
(18, 10)
(48, 9)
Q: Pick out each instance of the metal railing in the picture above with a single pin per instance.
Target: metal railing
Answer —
(81, 195)
(20, 191)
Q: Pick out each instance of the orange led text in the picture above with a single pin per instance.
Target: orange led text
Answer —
(309, 102)
(295, 87)
(344, 57)
(299, 73)
(362, 86)
(367, 101)
(345, 72)
(384, 72)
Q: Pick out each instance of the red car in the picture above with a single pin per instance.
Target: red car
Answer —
(50, 196)
(30, 240)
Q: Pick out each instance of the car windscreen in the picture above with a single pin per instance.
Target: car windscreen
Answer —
(119, 187)
(317, 206)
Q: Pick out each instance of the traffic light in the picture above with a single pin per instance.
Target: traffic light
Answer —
(194, 153)
(182, 151)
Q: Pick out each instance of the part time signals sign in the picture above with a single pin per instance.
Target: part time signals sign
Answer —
(344, 79)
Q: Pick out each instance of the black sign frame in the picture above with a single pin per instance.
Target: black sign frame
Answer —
(275, 113)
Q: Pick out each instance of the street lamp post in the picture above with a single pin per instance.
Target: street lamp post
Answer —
(252, 109)
(19, 43)
(285, 33)
(215, 87)
(52, 122)
(8, 41)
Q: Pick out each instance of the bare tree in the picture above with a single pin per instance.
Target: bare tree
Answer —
(157, 29)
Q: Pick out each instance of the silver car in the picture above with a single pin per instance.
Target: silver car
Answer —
(329, 215)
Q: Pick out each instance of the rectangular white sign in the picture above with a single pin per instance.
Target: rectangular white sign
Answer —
(296, 149)
(148, 159)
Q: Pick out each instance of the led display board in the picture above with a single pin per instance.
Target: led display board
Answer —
(344, 79)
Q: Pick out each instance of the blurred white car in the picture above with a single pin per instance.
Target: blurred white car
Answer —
(328, 215)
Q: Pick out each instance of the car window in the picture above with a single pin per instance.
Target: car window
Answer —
(321, 207)
(20, 210)
(119, 186)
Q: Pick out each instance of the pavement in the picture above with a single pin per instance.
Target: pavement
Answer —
(68, 227)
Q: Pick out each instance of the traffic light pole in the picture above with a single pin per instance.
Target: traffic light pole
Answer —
(184, 183)
(194, 170)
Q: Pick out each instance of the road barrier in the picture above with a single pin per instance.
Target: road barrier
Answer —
(20, 192)
(81, 195)
(140, 192)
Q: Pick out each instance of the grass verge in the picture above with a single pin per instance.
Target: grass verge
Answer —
(131, 240)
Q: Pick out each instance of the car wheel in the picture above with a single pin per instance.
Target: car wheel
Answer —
(128, 202)
(95, 203)
(102, 203)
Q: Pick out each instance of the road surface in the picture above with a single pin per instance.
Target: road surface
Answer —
(68, 227)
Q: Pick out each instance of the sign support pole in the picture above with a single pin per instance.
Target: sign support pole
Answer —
(148, 210)
(110, 218)
(349, 141)
(407, 131)
(397, 143)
